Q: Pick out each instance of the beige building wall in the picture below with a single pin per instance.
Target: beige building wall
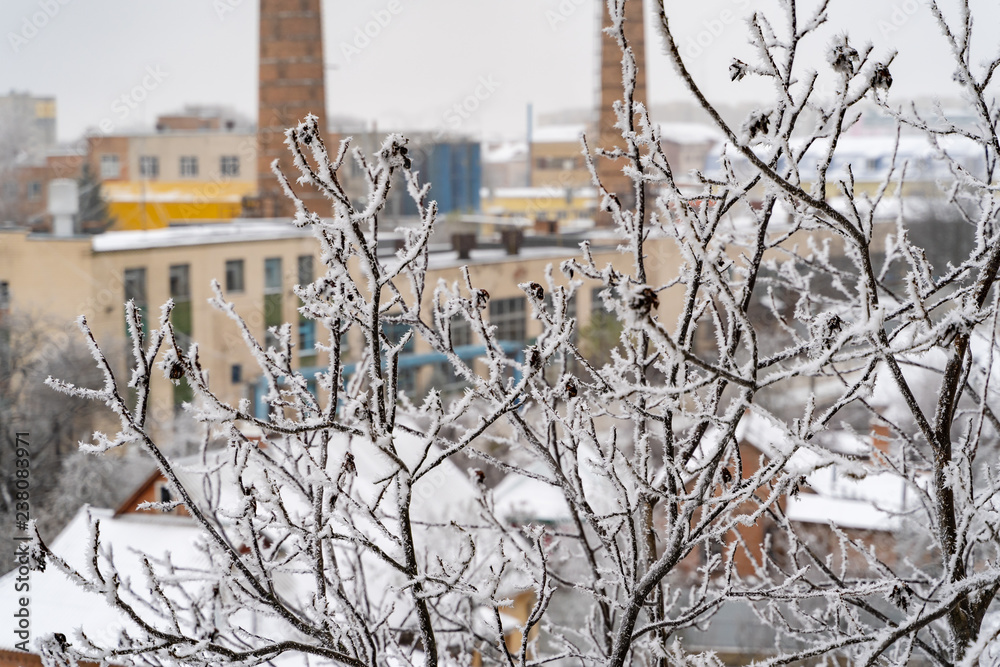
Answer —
(207, 147)
(64, 278)
(60, 279)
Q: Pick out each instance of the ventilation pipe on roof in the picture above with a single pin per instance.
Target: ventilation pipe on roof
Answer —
(64, 204)
(512, 240)
(463, 243)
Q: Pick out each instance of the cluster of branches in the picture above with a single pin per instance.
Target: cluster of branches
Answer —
(349, 562)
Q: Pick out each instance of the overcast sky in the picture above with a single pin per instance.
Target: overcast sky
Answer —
(429, 56)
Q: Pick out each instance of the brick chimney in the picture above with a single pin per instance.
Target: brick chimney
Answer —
(290, 87)
(609, 137)
(881, 440)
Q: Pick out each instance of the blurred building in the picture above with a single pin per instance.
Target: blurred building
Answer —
(195, 166)
(453, 168)
(27, 127)
(257, 263)
(561, 208)
(27, 136)
(557, 159)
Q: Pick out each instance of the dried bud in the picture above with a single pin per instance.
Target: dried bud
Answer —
(737, 69)
(900, 596)
(479, 476)
(644, 301)
(533, 358)
(482, 297)
(758, 122)
(881, 77)
(176, 371)
(349, 466)
(570, 389)
(727, 476)
(843, 57)
(535, 291)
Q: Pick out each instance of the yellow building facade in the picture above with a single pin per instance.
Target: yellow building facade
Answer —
(158, 179)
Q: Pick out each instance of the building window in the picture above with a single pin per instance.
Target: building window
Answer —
(149, 166)
(34, 190)
(234, 275)
(305, 269)
(4, 295)
(510, 318)
(189, 166)
(394, 332)
(272, 275)
(307, 327)
(461, 332)
(135, 286)
(135, 291)
(229, 165)
(180, 282)
(236, 373)
(272, 298)
(110, 167)
(180, 292)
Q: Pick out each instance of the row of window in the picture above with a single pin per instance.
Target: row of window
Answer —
(179, 279)
(563, 163)
(149, 166)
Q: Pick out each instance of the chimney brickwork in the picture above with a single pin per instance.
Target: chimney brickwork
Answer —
(609, 137)
(290, 87)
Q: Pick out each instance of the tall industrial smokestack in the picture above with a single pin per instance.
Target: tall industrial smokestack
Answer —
(609, 137)
(291, 86)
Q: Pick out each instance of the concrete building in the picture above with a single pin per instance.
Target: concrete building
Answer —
(27, 124)
(27, 137)
(257, 264)
(193, 168)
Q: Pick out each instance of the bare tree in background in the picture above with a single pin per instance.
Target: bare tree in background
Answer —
(643, 449)
(32, 349)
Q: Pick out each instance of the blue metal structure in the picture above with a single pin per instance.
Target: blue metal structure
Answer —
(465, 352)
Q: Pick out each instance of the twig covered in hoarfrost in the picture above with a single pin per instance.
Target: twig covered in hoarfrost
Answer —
(765, 318)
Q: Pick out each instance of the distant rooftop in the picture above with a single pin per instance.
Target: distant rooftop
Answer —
(188, 235)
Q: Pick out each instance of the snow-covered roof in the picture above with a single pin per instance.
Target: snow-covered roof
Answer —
(557, 134)
(842, 512)
(59, 605)
(690, 133)
(847, 491)
(520, 499)
(505, 152)
(443, 495)
(189, 235)
(538, 192)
